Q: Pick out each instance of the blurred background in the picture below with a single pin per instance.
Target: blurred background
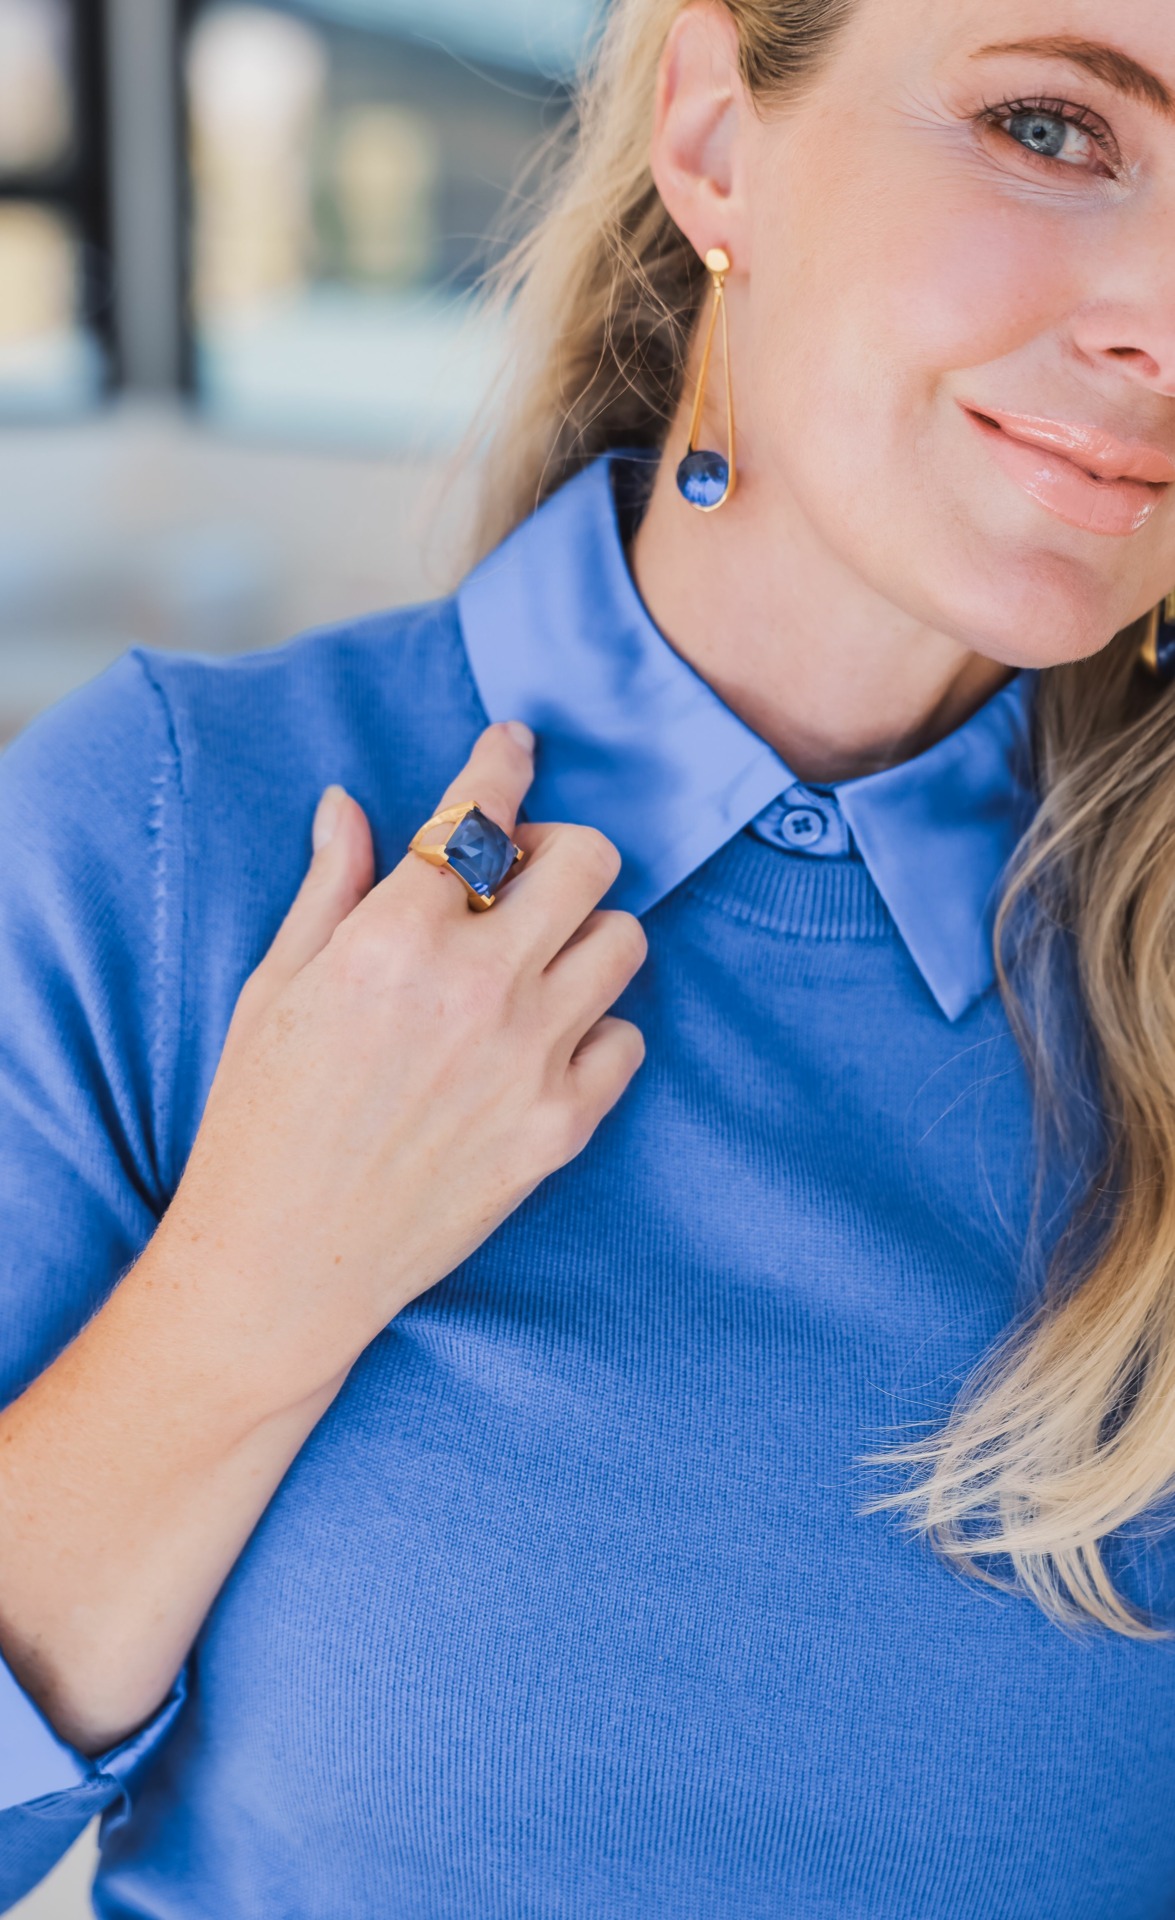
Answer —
(240, 247)
(239, 252)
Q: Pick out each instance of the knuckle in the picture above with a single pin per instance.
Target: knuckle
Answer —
(477, 996)
(361, 952)
(563, 1134)
(635, 1049)
(594, 852)
(495, 775)
(495, 803)
(626, 1051)
(631, 939)
(414, 919)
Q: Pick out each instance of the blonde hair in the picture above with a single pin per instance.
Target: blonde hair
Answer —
(1066, 1432)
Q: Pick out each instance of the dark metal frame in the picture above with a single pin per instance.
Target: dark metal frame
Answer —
(147, 151)
(185, 18)
(132, 134)
(80, 187)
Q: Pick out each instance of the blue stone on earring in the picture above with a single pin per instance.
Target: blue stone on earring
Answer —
(1165, 652)
(703, 478)
(1157, 652)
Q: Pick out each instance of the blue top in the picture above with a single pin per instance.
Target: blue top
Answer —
(568, 1606)
(636, 744)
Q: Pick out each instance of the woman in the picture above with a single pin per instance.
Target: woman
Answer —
(473, 1409)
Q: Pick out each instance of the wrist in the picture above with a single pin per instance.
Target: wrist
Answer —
(230, 1338)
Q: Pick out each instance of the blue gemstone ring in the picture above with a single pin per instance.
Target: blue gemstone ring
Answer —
(472, 846)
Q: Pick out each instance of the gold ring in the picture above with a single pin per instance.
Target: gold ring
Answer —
(472, 846)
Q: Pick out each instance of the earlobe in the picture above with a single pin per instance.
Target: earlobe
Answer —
(696, 148)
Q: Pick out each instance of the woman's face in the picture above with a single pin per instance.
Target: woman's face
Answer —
(957, 322)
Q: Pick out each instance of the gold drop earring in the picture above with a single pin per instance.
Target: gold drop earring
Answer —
(705, 478)
(1157, 651)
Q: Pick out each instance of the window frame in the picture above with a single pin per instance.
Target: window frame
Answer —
(79, 188)
(184, 16)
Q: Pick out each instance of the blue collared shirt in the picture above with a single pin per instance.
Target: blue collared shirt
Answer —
(569, 1604)
(635, 743)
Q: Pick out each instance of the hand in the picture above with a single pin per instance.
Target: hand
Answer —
(400, 1073)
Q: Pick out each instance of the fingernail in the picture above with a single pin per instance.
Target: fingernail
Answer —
(521, 734)
(327, 815)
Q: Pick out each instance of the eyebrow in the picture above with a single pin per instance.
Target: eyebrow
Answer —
(1110, 64)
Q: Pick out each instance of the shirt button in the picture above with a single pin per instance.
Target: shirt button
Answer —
(803, 827)
(804, 820)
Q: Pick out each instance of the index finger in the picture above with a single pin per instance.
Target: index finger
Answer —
(497, 774)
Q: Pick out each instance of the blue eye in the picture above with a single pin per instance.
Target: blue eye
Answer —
(1060, 134)
(1044, 133)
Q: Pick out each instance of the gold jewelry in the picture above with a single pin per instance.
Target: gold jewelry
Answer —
(472, 846)
(705, 478)
(1157, 652)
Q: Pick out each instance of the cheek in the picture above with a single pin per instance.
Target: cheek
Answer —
(975, 286)
(876, 289)
(868, 313)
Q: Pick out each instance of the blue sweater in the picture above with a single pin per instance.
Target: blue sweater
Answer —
(568, 1607)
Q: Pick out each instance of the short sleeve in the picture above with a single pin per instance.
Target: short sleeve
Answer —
(91, 902)
(49, 1793)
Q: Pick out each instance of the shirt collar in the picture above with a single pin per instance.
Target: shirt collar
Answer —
(632, 741)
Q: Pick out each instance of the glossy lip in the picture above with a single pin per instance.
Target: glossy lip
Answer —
(1081, 474)
(1098, 452)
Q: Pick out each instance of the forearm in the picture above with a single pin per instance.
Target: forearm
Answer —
(390, 1090)
(132, 1473)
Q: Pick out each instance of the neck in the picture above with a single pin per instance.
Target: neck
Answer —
(834, 677)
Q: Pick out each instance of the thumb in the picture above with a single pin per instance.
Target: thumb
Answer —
(340, 874)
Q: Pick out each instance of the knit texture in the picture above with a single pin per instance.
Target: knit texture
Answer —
(568, 1609)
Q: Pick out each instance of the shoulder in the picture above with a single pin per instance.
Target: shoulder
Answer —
(75, 766)
(383, 704)
(82, 794)
(376, 689)
(392, 682)
(157, 822)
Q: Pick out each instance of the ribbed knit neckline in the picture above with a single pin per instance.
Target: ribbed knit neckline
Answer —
(790, 893)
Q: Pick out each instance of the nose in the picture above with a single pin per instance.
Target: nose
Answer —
(1140, 364)
(1128, 329)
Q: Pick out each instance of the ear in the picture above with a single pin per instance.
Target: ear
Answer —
(698, 148)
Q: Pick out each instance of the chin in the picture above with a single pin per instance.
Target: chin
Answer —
(1035, 612)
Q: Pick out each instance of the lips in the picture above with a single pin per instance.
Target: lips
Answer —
(1085, 476)
(1101, 455)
